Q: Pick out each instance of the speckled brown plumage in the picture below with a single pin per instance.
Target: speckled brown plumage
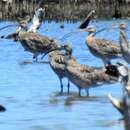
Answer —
(36, 43)
(84, 76)
(57, 60)
(102, 48)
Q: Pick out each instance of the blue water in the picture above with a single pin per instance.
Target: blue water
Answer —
(28, 91)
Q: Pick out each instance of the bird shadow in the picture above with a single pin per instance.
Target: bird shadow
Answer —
(72, 98)
(25, 62)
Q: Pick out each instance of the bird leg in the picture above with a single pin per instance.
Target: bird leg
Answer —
(61, 85)
(79, 91)
(68, 86)
(35, 57)
(87, 91)
(44, 55)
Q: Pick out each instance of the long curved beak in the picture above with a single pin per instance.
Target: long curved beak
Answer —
(101, 30)
(105, 29)
(8, 26)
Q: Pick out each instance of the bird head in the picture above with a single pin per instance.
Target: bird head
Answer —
(91, 29)
(123, 26)
(66, 47)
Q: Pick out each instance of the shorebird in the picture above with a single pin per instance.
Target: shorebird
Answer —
(36, 43)
(36, 23)
(85, 77)
(31, 40)
(57, 60)
(101, 48)
(124, 43)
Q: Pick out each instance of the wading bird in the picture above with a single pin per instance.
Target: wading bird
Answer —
(32, 41)
(83, 76)
(36, 23)
(101, 48)
(124, 43)
(57, 60)
(36, 43)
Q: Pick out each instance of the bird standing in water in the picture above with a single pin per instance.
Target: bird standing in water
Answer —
(83, 76)
(57, 60)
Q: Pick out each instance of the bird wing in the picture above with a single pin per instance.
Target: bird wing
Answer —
(79, 67)
(94, 78)
(107, 47)
(57, 60)
(35, 41)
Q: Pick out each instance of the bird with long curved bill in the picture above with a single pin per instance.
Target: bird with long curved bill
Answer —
(30, 40)
(101, 48)
(36, 24)
(57, 61)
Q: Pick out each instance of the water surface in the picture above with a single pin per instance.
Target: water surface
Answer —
(29, 90)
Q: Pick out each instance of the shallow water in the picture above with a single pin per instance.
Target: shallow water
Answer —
(29, 91)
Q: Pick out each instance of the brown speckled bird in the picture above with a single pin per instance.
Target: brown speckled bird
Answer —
(57, 60)
(101, 48)
(85, 76)
(124, 43)
(36, 23)
(36, 43)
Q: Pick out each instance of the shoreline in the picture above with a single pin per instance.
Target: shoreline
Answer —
(69, 10)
